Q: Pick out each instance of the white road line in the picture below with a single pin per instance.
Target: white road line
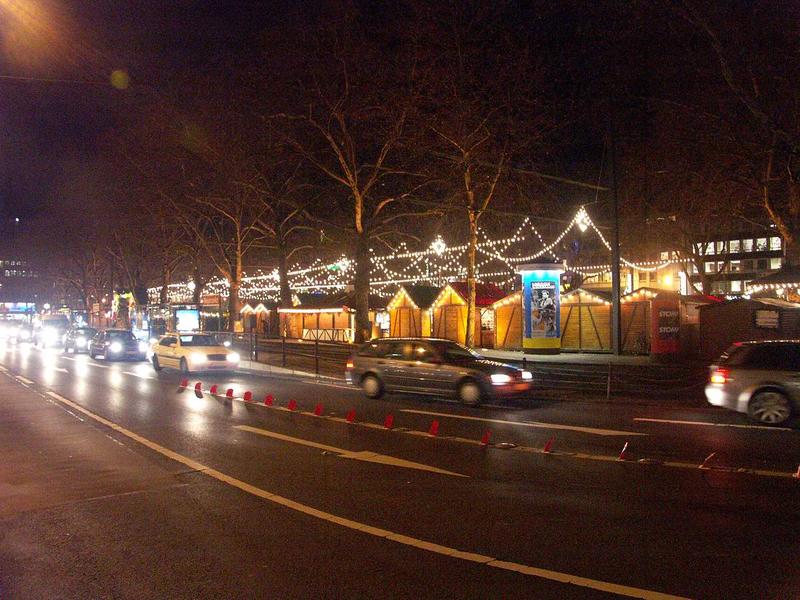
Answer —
(604, 586)
(535, 424)
(61, 370)
(364, 455)
(139, 375)
(24, 380)
(707, 424)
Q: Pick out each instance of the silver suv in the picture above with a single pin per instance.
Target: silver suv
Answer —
(761, 379)
(433, 367)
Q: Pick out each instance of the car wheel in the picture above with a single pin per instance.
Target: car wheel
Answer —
(184, 366)
(372, 386)
(770, 407)
(156, 365)
(469, 393)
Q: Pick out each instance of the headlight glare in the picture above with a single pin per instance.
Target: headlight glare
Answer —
(197, 357)
(142, 347)
(527, 375)
(500, 378)
(233, 357)
(115, 347)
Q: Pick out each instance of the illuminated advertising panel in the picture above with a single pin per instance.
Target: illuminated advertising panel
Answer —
(541, 306)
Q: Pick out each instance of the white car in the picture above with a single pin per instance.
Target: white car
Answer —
(190, 352)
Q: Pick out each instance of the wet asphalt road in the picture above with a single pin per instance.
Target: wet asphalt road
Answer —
(116, 482)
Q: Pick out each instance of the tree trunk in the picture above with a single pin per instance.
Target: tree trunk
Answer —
(163, 297)
(199, 284)
(363, 327)
(233, 304)
(471, 251)
(283, 275)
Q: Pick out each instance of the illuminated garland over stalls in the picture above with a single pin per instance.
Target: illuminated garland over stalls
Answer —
(436, 265)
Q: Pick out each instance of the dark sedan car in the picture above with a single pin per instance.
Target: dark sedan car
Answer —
(117, 344)
(77, 339)
(433, 367)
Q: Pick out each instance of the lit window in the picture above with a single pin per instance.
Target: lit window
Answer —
(720, 247)
(711, 267)
(735, 246)
(774, 243)
(761, 244)
(665, 256)
(736, 266)
(710, 249)
(775, 263)
(747, 245)
(736, 286)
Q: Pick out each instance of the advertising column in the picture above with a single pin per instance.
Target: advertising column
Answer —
(666, 325)
(541, 307)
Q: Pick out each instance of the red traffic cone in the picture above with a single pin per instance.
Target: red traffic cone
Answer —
(213, 389)
(184, 382)
(388, 423)
(248, 396)
(229, 393)
(198, 387)
(292, 404)
(623, 454)
(434, 430)
(268, 400)
(485, 438)
(318, 410)
(548, 445)
(351, 416)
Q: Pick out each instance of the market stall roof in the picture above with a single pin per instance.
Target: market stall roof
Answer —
(339, 302)
(254, 306)
(421, 295)
(788, 276)
(601, 295)
(486, 294)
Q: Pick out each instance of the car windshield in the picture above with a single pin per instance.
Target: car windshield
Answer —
(198, 340)
(121, 336)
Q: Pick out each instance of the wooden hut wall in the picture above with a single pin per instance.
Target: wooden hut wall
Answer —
(405, 319)
(450, 318)
(508, 323)
(585, 323)
(636, 327)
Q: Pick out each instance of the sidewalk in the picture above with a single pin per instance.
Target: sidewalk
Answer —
(582, 358)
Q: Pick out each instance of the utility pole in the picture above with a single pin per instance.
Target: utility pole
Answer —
(616, 315)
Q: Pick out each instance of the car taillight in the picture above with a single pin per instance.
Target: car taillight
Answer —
(349, 364)
(720, 376)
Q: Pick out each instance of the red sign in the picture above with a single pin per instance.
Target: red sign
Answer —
(665, 319)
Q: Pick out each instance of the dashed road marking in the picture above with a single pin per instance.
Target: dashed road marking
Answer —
(363, 455)
(139, 375)
(24, 380)
(489, 561)
(535, 424)
(707, 424)
(61, 370)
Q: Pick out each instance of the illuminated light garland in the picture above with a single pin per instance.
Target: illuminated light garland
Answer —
(437, 264)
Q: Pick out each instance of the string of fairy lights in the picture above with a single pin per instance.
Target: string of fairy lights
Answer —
(435, 265)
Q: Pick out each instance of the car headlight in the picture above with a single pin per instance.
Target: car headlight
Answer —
(142, 347)
(115, 347)
(233, 357)
(49, 334)
(80, 342)
(197, 357)
(527, 375)
(500, 378)
(227, 343)
(24, 334)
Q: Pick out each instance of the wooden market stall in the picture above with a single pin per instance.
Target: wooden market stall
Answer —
(508, 322)
(586, 320)
(723, 323)
(330, 317)
(450, 313)
(258, 317)
(410, 311)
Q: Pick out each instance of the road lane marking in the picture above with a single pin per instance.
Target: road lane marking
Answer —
(363, 455)
(24, 380)
(535, 424)
(60, 370)
(604, 586)
(707, 424)
(139, 375)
